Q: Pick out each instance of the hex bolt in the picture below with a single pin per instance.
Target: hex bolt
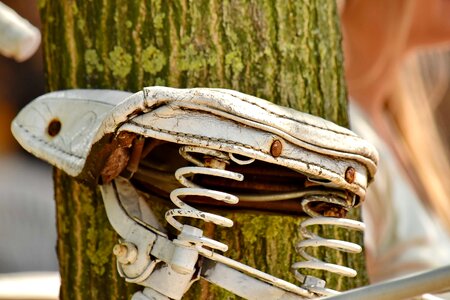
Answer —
(126, 253)
(276, 148)
(350, 174)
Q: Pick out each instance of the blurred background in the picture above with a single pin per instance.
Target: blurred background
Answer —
(27, 216)
(28, 262)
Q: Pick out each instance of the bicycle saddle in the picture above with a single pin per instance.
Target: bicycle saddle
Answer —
(95, 135)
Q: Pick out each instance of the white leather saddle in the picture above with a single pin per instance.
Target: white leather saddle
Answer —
(95, 135)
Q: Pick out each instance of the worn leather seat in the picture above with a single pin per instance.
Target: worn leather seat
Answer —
(95, 135)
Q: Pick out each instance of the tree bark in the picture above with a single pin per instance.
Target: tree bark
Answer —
(288, 52)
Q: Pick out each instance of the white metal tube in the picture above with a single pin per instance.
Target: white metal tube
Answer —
(402, 288)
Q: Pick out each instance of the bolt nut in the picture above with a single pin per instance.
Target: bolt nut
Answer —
(276, 148)
(126, 253)
(350, 175)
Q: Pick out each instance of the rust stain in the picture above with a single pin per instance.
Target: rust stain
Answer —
(350, 175)
(118, 158)
(136, 154)
(115, 163)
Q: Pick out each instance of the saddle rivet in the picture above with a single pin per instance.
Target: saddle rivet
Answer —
(276, 148)
(350, 175)
(54, 127)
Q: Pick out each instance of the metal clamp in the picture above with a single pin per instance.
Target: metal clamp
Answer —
(147, 256)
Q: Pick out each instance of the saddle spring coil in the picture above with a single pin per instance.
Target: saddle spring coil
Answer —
(215, 168)
(311, 239)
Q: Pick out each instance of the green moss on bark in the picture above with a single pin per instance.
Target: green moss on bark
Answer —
(285, 51)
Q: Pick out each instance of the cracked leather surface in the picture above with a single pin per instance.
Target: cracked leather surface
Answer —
(219, 119)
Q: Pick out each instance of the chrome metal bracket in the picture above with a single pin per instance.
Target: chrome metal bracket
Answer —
(147, 256)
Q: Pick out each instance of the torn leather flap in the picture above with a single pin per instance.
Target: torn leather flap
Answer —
(92, 120)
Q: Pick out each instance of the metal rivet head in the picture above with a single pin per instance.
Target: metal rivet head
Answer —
(350, 175)
(276, 148)
(126, 253)
(54, 127)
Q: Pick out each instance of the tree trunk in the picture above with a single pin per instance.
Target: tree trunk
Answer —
(285, 51)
